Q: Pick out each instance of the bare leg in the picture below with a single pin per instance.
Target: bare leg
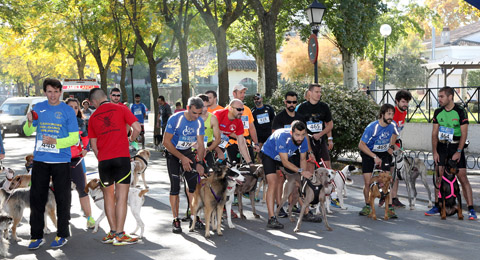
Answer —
(85, 203)
(272, 179)
(466, 187)
(121, 195)
(109, 197)
(366, 188)
(174, 204)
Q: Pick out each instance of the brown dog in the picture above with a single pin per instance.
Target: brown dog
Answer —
(141, 163)
(248, 186)
(20, 181)
(210, 194)
(379, 187)
(29, 162)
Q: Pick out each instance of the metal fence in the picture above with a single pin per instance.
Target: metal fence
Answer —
(427, 101)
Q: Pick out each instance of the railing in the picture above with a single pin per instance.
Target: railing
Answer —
(424, 105)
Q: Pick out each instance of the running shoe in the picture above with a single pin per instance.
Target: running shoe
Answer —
(309, 217)
(433, 211)
(235, 201)
(365, 210)
(391, 213)
(108, 239)
(282, 213)
(246, 195)
(397, 204)
(36, 243)
(295, 209)
(232, 213)
(472, 215)
(177, 227)
(335, 203)
(274, 224)
(123, 239)
(58, 242)
(90, 222)
(198, 224)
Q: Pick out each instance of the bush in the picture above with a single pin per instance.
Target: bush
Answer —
(352, 111)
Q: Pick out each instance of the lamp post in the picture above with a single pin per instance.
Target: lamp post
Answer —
(385, 31)
(315, 14)
(130, 60)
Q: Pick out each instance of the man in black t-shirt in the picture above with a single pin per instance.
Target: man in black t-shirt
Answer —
(288, 115)
(318, 118)
(263, 117)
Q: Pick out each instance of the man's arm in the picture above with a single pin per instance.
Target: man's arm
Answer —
(364, 148)
(200, 153)
(136, 131)
(303, 164)
(242, 146)
(435, 142)
(216, 133)
(167, 142)
(93, 145)
(253, 133)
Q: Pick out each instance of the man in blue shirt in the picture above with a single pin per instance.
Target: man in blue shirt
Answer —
(288, 148)
(57, 129)
(140, 112)
(376, 148)
(184, 130)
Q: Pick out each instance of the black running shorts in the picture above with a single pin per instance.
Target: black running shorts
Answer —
(116, 170)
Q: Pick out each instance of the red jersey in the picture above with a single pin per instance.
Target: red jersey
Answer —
(226, 125)
(107, 124)
(399, 118)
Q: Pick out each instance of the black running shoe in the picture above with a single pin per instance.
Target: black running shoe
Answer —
(177, 227)
(198, 224)
(274, 224)
(282, 213)
(397, 204)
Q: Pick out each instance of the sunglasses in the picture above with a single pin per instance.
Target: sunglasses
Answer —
(256, 99)
(115, 95)
(239, 109)
(291, 102)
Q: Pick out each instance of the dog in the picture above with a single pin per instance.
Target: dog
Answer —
(9, 173)
(446, 196)
(234, 178)
(262, 183)
(249, 186)
(210, 194)
(5, 222)
(409, 169)
(136, 198)
(340, 182)
(29, 162)
(315, 190)
(141, 162)
(21, 181)
(17, 200)
(290, 187)
(379, 187)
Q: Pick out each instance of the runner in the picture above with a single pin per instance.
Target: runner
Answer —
(140, 112)
(263, 116)
(184, 130)
(57, 129)
(212, 135)
(212, 101)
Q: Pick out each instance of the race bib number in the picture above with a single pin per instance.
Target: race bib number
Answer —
(380, 147)
(263, 118)
(186, 142)
(445, 134)
(137, 112)
(315, 127)
(224, 141)
(46, 148)
(245, 122)
(205, 141)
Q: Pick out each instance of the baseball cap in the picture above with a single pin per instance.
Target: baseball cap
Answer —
(258, 95)
(239, 87)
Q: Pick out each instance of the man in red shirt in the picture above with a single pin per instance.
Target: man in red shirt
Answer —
(231, 126)
(109, 142)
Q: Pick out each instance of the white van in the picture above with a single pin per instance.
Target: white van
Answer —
(13, 113)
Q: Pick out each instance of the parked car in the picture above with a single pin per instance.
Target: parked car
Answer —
(13, 113)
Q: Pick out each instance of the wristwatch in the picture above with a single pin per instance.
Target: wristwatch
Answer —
(459, 150)
(374, 157)
(300, 170)
(330, 138)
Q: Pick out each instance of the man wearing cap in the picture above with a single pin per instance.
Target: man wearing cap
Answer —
(263, 116)
(249, 132)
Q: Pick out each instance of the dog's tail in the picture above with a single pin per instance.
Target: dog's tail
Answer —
(142, 193)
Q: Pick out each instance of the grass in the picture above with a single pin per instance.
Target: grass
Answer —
(419, 118)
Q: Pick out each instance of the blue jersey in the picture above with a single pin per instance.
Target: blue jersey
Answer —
(57, 122)
(281, 141)
(139, 110)
(378, 137)
(184, 132)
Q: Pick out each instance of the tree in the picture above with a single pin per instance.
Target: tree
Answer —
(218, 17)
(404, 70)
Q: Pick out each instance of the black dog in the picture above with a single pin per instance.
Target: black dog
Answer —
(450, 192)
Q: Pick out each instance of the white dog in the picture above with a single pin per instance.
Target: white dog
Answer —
(136, 198)
(233, 180)
(340, 180)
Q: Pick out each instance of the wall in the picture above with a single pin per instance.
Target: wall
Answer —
(417, 136)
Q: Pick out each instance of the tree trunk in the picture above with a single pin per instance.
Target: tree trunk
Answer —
(81, 61)
(223, 84)
(270, 54)
(152, 65)
(349, 70)
(182, 44)
(260, 74)
(123, 75)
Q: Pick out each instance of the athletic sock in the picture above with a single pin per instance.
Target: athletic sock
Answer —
(470, 207)
(113, 231)
(389, 205)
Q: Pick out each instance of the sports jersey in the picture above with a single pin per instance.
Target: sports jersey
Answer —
(164, 113)
(139, 110)
(378, 137)
(208, 129)
(83, 141)
(399, 118)
(107, 124)
(57, 122)
(215, 109)
(263, 118)
(450, 122)
(283, 120)
(184, 131)
(281, 141)
(227, 126)
(315, 116)
(247, 118)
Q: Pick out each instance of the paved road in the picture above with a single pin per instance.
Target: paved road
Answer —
(412, 236)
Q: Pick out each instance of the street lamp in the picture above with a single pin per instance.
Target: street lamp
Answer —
(315, 14)
(385, 31)
(130, 60)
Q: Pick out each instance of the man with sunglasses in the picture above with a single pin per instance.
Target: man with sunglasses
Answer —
(263, 116)
(115, 96)
(285, 118)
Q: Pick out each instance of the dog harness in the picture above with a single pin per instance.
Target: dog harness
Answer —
(143, 159)
(342, 175)
(452, 189)
(382, 194)
(316, 190)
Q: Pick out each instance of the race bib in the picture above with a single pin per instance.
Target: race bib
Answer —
(263, 118)
(245, 122)
(315, 127)
(224, 141)
(380, 147)
(205, 141)
(287, 126)
(46, 148)
(186, 142)
(137, 112)
(445, 134)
